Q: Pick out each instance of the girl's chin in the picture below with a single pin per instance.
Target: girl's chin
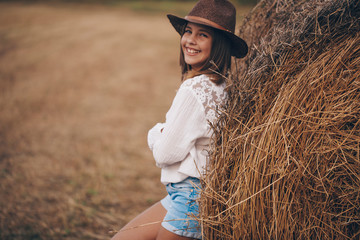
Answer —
(192, 63)
(195, 66)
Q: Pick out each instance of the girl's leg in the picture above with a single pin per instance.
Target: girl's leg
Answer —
(145, 226)
(167, 235)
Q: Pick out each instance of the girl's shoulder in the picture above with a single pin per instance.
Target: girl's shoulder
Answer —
(209, 94)
(202, 83)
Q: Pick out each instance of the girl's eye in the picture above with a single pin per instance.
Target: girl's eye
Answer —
(203, 35)
(187, 31)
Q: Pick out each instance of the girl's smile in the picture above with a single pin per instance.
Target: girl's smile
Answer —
(196, 44)
(191, 51)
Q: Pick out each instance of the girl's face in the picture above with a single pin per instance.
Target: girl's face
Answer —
(196, 45)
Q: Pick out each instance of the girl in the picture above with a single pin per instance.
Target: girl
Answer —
(180, 145)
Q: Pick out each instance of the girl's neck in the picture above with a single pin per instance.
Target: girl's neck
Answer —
(214, 77)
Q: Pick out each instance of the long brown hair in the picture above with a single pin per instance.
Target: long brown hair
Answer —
(217, 65)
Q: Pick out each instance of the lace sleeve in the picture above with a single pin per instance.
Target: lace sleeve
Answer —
(210, 95)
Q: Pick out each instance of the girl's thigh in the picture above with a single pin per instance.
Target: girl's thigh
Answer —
(145, 226)
(167, 235)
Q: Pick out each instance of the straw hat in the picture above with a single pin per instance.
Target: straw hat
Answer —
(218, 14)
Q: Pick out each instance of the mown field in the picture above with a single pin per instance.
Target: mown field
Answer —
(80, 87)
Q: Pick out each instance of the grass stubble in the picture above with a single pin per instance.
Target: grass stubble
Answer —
(78, 96)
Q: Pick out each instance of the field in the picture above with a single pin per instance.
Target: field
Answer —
(80, 87)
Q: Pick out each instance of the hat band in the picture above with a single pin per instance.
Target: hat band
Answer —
(200, 20)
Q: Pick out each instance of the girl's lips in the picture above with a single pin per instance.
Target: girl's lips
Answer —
(192, 51)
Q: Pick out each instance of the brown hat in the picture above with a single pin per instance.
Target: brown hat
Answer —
(219, 14)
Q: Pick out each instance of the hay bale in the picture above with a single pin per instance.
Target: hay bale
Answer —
(286, 157)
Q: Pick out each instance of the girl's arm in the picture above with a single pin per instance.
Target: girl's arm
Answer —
(154, 134)
(185, 123)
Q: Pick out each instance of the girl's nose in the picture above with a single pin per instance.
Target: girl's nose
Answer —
(191, 39)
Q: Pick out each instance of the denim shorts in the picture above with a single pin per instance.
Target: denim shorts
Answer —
(182, 206)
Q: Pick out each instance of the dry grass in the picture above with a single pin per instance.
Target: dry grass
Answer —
(286, 161)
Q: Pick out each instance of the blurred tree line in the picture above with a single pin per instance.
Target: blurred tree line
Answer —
(253, 2)
(234, 1)
(240, 2)
(246, 2)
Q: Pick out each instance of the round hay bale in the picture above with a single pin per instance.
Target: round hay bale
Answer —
(285, 162)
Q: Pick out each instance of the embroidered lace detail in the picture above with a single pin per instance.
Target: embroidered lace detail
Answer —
(211, 96)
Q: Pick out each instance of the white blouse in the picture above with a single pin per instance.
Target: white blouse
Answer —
(180, 145)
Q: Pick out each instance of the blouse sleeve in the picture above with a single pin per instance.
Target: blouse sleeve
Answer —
(185, 123)
(154, 134)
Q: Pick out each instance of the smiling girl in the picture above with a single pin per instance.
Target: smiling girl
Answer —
(196, 45)
(180, 145)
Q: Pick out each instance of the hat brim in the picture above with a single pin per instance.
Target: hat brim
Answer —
(239, 48)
